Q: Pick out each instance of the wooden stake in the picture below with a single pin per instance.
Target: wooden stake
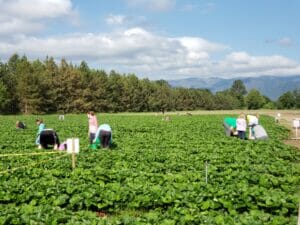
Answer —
(299, 215)
(73, 154)
(206, 171)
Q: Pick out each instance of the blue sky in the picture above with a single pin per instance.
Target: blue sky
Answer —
(157, 39)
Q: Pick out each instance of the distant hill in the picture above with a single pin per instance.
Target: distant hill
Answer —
(271, 86)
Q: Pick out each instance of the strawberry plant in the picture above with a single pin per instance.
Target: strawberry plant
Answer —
(154, 175)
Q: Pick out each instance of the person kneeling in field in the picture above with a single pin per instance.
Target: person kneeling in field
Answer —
(103, 136)
(230, 126)
(45, 136)
(49, 137)
(20, 125)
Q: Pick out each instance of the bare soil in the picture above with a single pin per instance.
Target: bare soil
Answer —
(295, 143)
(286, 119)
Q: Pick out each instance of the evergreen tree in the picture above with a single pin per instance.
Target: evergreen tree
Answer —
(45, 87)
(225, 100)
(3, 97)
(183, 99)
(238, 90)
(28, 88)
(296, 93)
(52, 84)
(99, 88)
(114, 92)
(10, 81)
(287, 100)
(269, 104)
(132, 95)
(160, 99)
(254, 99)
(147, 88)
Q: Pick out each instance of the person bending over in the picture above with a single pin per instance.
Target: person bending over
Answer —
(49, 137)
(229, 124)
(20, 125)
(252, 122)
(103, 136)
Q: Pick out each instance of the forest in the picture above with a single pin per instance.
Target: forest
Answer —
(47, 86)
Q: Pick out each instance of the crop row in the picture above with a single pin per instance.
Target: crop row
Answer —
(156, 174)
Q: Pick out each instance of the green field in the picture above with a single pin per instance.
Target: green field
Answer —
(156, 174)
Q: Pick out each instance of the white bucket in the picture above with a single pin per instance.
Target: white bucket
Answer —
(73, 143)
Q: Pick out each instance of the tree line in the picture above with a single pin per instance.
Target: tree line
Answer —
(35, 87)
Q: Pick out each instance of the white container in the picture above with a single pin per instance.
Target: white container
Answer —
(73, 143)
(296, 123)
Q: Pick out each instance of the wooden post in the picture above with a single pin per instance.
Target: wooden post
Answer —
(206, 171)
(296, 126)
(73, 154)
(299, 215)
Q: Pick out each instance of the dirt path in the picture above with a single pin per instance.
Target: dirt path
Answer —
(286, 119)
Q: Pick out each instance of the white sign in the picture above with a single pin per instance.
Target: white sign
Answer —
(296, 123)
(73, 143)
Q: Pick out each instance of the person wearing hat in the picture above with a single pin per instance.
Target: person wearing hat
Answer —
(252, 122)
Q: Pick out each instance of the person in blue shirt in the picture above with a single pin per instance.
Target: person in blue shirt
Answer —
(41, 127)
(46, 137)
(103, 136)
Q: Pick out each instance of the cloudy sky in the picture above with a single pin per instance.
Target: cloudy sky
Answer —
(157, 39)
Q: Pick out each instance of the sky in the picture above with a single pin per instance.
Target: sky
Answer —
(158, 39)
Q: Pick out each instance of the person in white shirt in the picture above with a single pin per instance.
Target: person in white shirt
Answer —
(241, 126)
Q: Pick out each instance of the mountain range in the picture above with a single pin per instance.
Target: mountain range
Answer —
(270, 86)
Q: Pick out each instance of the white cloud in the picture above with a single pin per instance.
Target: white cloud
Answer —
(140, 51)
(200, 44)
(283, 42)
(15, 25)
(36, 9)
(26, 16)
(189, 7)
(125, 21)
(115, 19)
(241, 63)
(286, 41)
(206, 8)
(153, 5)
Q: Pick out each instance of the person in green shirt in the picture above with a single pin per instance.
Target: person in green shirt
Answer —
(230, 126)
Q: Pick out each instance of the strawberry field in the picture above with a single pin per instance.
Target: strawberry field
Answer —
(183, 171)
